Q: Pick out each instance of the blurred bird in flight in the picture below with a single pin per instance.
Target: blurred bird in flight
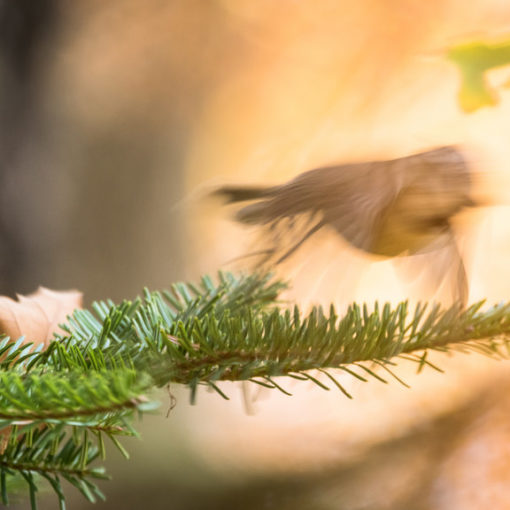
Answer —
(389, 208)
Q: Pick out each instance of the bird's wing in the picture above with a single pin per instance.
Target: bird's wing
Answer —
(279, 239)
(351, 201)
(361, 211)
(437, 270)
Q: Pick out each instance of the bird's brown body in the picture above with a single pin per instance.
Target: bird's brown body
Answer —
(389, 208)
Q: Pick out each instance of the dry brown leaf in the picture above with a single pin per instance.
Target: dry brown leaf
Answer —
(37, 316)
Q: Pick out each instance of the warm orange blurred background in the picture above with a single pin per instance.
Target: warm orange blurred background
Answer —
(117, 120)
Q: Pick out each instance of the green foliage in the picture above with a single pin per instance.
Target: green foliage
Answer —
(474, 60)
(53, 397)
(58, 406)
(52, 453)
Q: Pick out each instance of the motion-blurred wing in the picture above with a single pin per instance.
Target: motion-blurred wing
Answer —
(437, 266)
(350, 200)
(359, 217)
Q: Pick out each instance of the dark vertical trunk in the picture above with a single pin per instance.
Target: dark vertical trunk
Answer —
(25, 27)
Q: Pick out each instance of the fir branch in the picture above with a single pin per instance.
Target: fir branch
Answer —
(88, 382)
(62, 396)
(234, 331)
(278, 342)
(50, 452)
(53, 469)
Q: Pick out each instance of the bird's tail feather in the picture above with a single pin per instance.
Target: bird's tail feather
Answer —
(243, 193)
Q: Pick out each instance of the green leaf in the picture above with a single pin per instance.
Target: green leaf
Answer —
(474, 60)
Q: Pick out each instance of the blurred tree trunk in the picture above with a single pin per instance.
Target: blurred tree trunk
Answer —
(25, 28)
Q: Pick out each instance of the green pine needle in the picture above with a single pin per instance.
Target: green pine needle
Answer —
(58, 405)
